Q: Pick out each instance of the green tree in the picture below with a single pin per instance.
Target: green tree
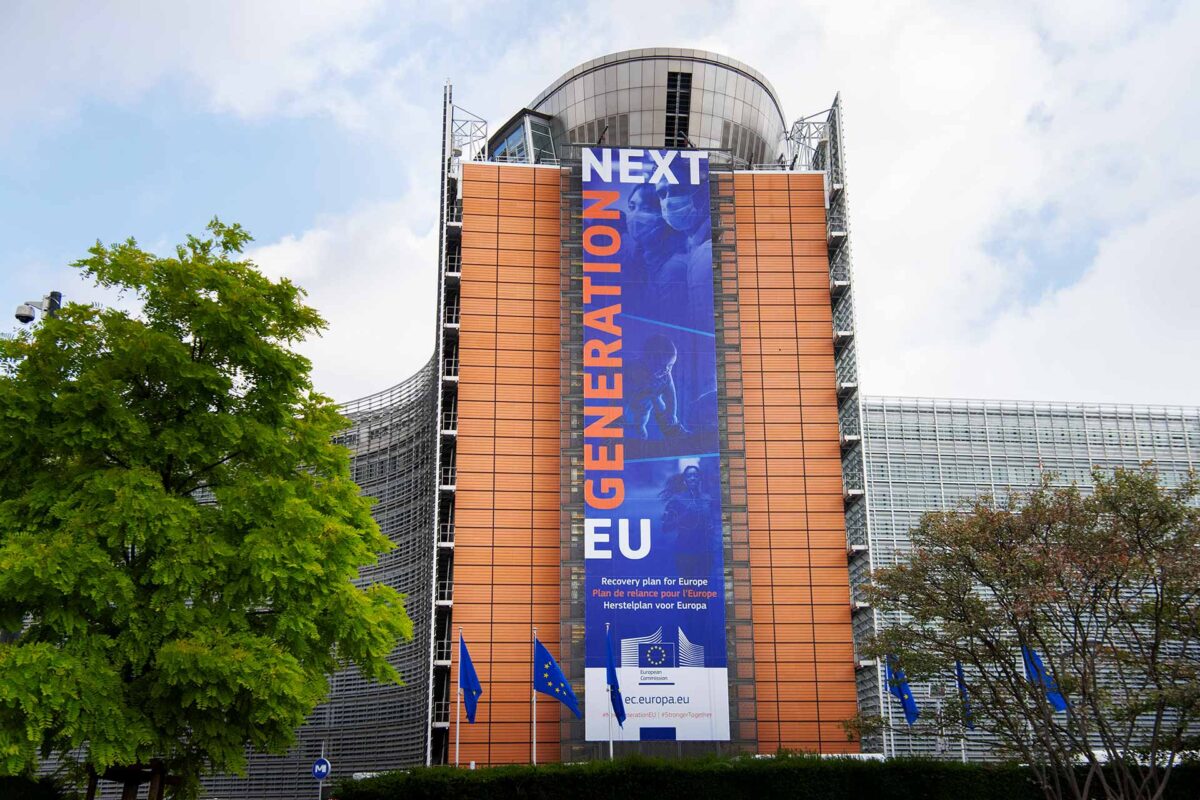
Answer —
(178, 532)
(1104, 587)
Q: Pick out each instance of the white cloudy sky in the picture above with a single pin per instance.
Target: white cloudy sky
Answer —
(1024, 184)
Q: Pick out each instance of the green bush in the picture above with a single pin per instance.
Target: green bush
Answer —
(792, 777)
(795, 778)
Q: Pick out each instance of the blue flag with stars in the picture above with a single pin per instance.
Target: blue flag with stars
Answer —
(1035, 672)
(468, 679)
(961, 680)
(548, 678)
(898, 685)
(610, 675)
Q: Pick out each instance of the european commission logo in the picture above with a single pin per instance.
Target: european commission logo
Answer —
(657, 655)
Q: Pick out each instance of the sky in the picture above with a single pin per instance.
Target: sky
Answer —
(1023, 178)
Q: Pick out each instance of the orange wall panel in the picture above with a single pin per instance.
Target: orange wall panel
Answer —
(507, 494)
(800, 579)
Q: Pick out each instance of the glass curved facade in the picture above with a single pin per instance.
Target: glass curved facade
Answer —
(367, 726)
(671, 97)
(929, 455)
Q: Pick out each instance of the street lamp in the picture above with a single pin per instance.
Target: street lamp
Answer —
(48, 305)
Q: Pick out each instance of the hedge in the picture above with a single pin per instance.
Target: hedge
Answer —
(793, 777)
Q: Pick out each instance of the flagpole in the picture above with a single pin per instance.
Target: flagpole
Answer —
(533, 690)
(458, 701)
(611, 711)
(960, 680)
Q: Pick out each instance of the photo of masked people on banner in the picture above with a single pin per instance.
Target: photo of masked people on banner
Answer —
(653, 549)
(685, 210)
(669, 253)
(658, 254)
(667, 306)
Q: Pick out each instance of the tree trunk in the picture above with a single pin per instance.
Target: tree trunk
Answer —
(157, 783)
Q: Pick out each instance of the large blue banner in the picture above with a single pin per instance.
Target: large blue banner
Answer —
(652, 484)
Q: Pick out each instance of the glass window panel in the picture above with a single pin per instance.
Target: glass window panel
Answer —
(543, 146)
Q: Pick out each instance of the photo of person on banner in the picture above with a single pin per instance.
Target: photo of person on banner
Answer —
(669, 388)
(650, 390)
(685, 209)
(692, 519)
(656, 256)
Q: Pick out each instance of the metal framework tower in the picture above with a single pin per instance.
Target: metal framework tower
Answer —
(464, 137)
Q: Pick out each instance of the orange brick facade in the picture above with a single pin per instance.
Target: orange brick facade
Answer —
(506, 561)
(800, 587)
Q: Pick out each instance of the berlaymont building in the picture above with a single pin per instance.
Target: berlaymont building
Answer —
(641, 424)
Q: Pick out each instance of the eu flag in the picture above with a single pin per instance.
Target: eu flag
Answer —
(962, 693)
(614, 688)
(898, 686)
(468, 679)
(548, 678)
(1035, 672)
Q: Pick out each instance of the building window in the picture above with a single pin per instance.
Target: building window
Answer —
(543, 141)
(679, 108)
(512, 147)
(615, 129)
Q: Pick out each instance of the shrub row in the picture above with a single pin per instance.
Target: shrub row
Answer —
(795, 778)
(792, 777)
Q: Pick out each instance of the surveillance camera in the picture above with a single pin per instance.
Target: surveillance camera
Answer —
(24, 314)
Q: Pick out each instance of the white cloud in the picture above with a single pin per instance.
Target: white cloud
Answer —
(249, 59)
(1127, 331)
(1046, 125)
(372, 274)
